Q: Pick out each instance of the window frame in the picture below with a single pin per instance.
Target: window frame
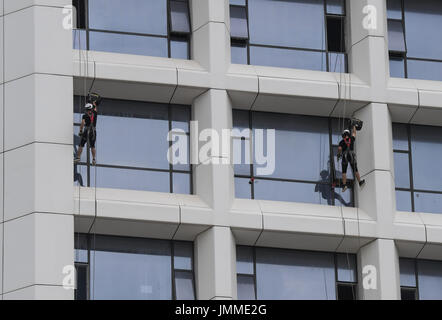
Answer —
(170, 35)
(326, 51)
(338, 283)
(91, 237)
(252, 178)
(412, 190)
(171, 170)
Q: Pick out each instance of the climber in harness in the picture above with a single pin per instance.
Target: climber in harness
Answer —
(88, 132)
(348, 155)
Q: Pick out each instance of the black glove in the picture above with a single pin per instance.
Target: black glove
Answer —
(80, 133)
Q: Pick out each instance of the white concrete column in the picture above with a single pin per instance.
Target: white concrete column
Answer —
(215, 264)
(37, 150)
(368, 53)
(378, 265)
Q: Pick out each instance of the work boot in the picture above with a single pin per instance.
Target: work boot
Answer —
(76, 160)
(344, 189)
(94, 162)
(361, 183)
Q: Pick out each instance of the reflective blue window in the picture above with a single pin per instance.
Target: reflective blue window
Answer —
(422, 191)
(310, 176)
(136, 269)
(419, 24)
(132, 147)
(290, 33)
(279, 274)
(155, 27)
(421, 277)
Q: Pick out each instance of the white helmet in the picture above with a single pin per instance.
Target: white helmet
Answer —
(89, 106)
(345, 133)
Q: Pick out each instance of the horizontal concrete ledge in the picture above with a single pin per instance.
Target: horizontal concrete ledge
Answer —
(141, 78)
(418, 235)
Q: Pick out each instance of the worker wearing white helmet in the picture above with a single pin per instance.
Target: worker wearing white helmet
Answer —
(88, 131)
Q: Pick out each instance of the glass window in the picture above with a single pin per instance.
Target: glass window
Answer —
(425, 70)
(274, 274)
(428, 202)
(242, 188)
(287, 58)
(290, 274)
(337, 62)
(430, 280)
(238, 23)
(396, 40)
(403, 201)
(423, 25)
(336, 7)
(408, 272)
(397, 67)
(130, 44)
(138, 16)
(394, 9)
(143, 163)
(239, 53)
(154, 28)
(179, 20)
(292, 23)
(400, 137)
(246, 287)
(401, 170)
(426, 148)
(124, 268)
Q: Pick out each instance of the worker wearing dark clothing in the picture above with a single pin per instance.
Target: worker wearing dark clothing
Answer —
(346, 151)
(88, 131)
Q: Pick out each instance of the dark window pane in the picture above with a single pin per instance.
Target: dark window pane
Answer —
(408, 272)
(423, 25)
(427, 202)
(246, 287)
(243, 188)
(244, 260)
(80, 14)
(426, 147)
(400, 137)
(79, 40)
(179, 49)
(238, 23)
(287, 58)
(337, 62)
(425, 70)
(179, 16)
(397, 69)
(239, 53)
(137, 16)
(81, 246)
(430, 280)
(130, 179)
(408, 294)
(346, 265)
(181, 183)
(335, 34)
(346, 292)
(183, 252)
(336, 7)
(180, 117)
(394, 9)
(403, 201)
(401, 170)
(130, 44)
(291, 23)
(396, 41)
(130, 268)
(81, 289)
(294, 275)
(289, 191)
(184, 285)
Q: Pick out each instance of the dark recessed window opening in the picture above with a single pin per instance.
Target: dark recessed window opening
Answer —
(335, 34)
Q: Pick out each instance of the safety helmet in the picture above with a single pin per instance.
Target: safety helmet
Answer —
(89, 106)
(346, 133)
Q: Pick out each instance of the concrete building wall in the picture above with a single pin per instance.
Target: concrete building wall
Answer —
(41, 209)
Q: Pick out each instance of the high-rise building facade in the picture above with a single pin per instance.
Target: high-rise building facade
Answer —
(137, 225)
